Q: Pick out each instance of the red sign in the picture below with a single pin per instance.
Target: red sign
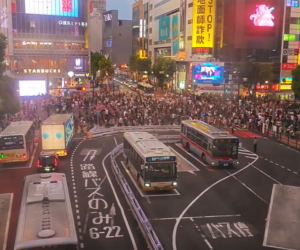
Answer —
(191, 71)
(202, 50)
(288, 66)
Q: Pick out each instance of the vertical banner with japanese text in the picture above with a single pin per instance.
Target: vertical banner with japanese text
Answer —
(203, 23)
(175, 34)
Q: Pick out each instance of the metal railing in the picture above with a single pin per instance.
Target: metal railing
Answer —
(99, 132)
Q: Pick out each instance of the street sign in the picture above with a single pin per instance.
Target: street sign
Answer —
(290, 52)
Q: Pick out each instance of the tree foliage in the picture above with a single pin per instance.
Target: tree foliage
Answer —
(105, 65)
(254, 72)
(164, 68)
(95, 59)
(296, 81)
(144, 64)
(133, 62)
(9, 98)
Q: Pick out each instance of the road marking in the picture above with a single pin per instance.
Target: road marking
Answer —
(295, 172)
(119, 204)
(266, 159)
(179, 146)
(116, 141)
(191, 172)
(271, 162)
(180, 156)
(276, 164)
(199, 196)
(199, 217)
(266, 174)
(207, 243)
(249, 188)
(282, 166)
(81, 245)
(251, 157)
(289, 169)
(249, 154)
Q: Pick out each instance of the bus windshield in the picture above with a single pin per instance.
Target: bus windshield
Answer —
(159, 170)
(11, 142)
(225, 148)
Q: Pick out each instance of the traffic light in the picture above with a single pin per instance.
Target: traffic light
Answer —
(226, 90)
(2, 156)
(81, 88)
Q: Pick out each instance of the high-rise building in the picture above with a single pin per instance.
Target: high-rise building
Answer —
(204, 35)
(48, 39)
(117, 38)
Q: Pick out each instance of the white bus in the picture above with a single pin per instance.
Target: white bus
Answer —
(46, 218)
(150, 161)
(212, 145)
(17, 142)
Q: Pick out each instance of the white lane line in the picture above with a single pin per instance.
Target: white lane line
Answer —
(271, 162)
(266, 174)
(276, 164)
(249, 189)
(266, 159)
(180, 156)
(116, 141)
(179, 146)
(295, 172)
(289, 169)
(81, 245)
(282, 166)
(119, 204)
(208, 244)
(199, 196)
(250, 157)
(199, 217)
(249, 154)
(8, 221)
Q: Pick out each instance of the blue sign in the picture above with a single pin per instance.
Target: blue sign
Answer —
(66, 8)
(208, 74)
(164, 28)
(175, 34)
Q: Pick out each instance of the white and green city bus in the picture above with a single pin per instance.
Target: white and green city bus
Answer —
(146, 89)
(17, 142)
(213, 146)
(151, 162)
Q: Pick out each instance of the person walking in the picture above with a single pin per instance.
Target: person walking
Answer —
(255, 145)
(232, 130)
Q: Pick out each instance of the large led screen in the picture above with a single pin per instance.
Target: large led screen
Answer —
(208, 74)
(66, 8)
(32, 88)
(261, 17)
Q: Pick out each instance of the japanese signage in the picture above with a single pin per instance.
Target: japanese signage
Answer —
(175, 34)
(290, 52)
(285, 87)
(288, 66)
(203, 23)
(289, 37)
(39, 71)
(71, 23)
(164, 28)
(286, 80)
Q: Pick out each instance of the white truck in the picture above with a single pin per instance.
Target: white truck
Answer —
(57, 133)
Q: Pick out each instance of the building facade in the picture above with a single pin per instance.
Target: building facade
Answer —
(205, 35)
(117, 38)
(46, 40)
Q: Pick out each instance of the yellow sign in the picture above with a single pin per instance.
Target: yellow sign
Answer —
(285, 87)
(203, 23)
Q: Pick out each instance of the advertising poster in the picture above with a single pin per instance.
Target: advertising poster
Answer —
(203, 24)
(3, 16)
(208, 74)
(53, 137)
(69, 126)
(164, 28)
(175, 34)
(66, 8)
(32, 88)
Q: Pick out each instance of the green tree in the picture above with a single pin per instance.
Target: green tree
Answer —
(133, 63)
(164, 68)
(296, 81)
(95, 59)
(144, 64)
(9, 98)
(105, 65)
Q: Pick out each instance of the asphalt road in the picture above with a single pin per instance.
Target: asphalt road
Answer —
(212, 209)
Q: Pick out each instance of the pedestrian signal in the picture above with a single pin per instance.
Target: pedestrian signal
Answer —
(226, 90)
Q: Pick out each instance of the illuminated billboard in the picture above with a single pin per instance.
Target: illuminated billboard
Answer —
(53, 137)
(203, 24)
(263, 16)
(208, 73)
(32, 88)
(66, 8)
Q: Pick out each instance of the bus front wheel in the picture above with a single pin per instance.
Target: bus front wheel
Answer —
(204, 158)
(187, 146)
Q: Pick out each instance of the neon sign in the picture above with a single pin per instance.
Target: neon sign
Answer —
(263, 16)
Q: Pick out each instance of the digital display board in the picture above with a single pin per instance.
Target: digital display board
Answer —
(208, 74)
(32, 88)
(161, 158)
(66, 8)
(53, 137)
(261, 17)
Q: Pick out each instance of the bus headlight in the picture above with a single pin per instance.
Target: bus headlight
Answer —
(174, 183)
(147, 184)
